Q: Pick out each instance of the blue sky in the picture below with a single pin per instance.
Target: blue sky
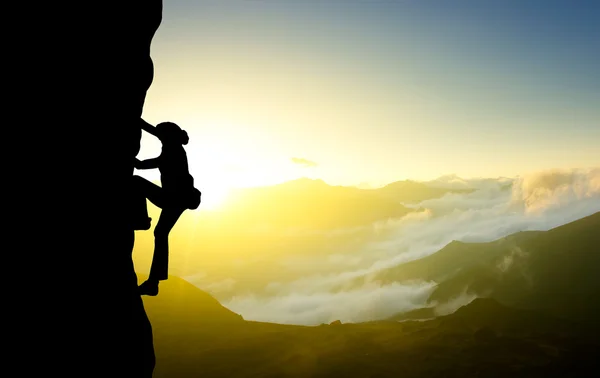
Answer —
(379, 91)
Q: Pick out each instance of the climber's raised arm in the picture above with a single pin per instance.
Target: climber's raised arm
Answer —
(148, 127)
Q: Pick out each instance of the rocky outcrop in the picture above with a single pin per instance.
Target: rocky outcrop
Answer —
(87, 76)
(130, 70)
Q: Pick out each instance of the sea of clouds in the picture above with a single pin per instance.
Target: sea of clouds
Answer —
(498, 207)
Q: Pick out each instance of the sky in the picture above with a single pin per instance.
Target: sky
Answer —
(371, 92)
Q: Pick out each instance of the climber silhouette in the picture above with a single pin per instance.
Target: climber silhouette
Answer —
(176, 195)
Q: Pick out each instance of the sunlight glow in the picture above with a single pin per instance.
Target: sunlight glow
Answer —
(213, 195)
(221, 162)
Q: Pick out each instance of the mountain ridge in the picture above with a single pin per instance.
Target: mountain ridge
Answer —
(528, 269)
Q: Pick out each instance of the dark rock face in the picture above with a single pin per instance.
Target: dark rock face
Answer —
(134, 75)
(90, 66)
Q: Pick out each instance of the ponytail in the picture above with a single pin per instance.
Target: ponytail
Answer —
(184, 137)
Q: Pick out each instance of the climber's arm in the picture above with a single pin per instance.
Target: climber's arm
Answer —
(146, 164)
(147, 127)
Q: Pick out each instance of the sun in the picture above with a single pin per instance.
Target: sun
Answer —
(222, 161)
(214, 195)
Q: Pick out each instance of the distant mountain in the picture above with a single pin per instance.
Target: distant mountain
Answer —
(311, 204)
(196, 336)
(456, 182)
(315, 204)
(555, 271)
(412, 192)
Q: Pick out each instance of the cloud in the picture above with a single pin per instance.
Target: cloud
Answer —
(508, 261)
(224, 285)
(304, 162)
(489, 213)
(556, 189)
(372, 301)
(325, 288)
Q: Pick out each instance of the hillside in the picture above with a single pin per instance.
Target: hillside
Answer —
(196, 336)
(554, 270)
(183, 304)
